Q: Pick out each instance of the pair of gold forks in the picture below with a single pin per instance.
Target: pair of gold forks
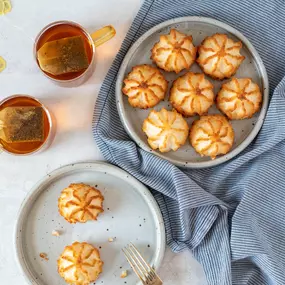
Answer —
(144, 271)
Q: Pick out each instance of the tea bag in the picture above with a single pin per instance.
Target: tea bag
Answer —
(63, 56)
(22, 124)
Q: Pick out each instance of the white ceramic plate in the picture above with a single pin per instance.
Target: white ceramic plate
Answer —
(131, 215)
(199, 28)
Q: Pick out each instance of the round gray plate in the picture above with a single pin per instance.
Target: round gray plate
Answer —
(199, 28)
(131, 215)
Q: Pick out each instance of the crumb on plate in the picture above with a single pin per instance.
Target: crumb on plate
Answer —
(124, 274)
(44, 256)
(55, 233)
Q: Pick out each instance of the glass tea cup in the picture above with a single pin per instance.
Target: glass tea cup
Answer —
(28, 147)
(66, 29)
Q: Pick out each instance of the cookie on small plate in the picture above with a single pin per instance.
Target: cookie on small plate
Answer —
(80, 202)
(80, 264)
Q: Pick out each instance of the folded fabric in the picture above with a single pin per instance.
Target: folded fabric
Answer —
(231, 216)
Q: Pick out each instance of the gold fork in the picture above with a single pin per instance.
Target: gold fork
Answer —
(143, 270)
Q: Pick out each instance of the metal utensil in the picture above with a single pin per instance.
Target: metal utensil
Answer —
(143, 270)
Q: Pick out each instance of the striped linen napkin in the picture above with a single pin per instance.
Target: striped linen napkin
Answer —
(231, 216)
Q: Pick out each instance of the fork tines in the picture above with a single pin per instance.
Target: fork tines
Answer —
(138, 264)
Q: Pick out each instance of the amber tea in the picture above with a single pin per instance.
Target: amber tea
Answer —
(64, 51)
(24, 125)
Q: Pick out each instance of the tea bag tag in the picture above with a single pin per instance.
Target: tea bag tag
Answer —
(63, 56)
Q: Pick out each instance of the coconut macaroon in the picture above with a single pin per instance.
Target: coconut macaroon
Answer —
(80, 202)
(166, 130)
(145, 86)
(239, 98)
(192, 94)
(219, 56)
(212, 135)
(174, 52)
(80, 264)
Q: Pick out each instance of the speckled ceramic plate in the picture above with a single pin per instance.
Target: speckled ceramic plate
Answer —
(199, 28)
(131, 215)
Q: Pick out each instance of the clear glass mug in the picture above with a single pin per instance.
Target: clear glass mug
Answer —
(28, 148)
(63, 29)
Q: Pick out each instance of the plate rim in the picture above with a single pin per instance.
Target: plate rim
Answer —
(64, 170)
(262, 112)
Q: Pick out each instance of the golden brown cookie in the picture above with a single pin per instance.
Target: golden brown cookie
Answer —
(166, 130)
(80, 264)
(219, 56)
(174, 52)
(212, 135)
(192, 94)
(80, 202)
(145, 86)
(239, 98)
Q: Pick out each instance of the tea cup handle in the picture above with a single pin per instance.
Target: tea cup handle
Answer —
(103, 35)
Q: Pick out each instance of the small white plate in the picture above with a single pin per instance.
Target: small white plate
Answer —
(131, 215)
(199, 28)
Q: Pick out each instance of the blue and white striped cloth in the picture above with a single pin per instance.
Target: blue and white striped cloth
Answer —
(231, 216)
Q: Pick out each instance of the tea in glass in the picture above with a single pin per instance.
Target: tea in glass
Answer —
(65, 51)
(24, 124)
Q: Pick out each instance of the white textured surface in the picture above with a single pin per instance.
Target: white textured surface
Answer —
(72, 108)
